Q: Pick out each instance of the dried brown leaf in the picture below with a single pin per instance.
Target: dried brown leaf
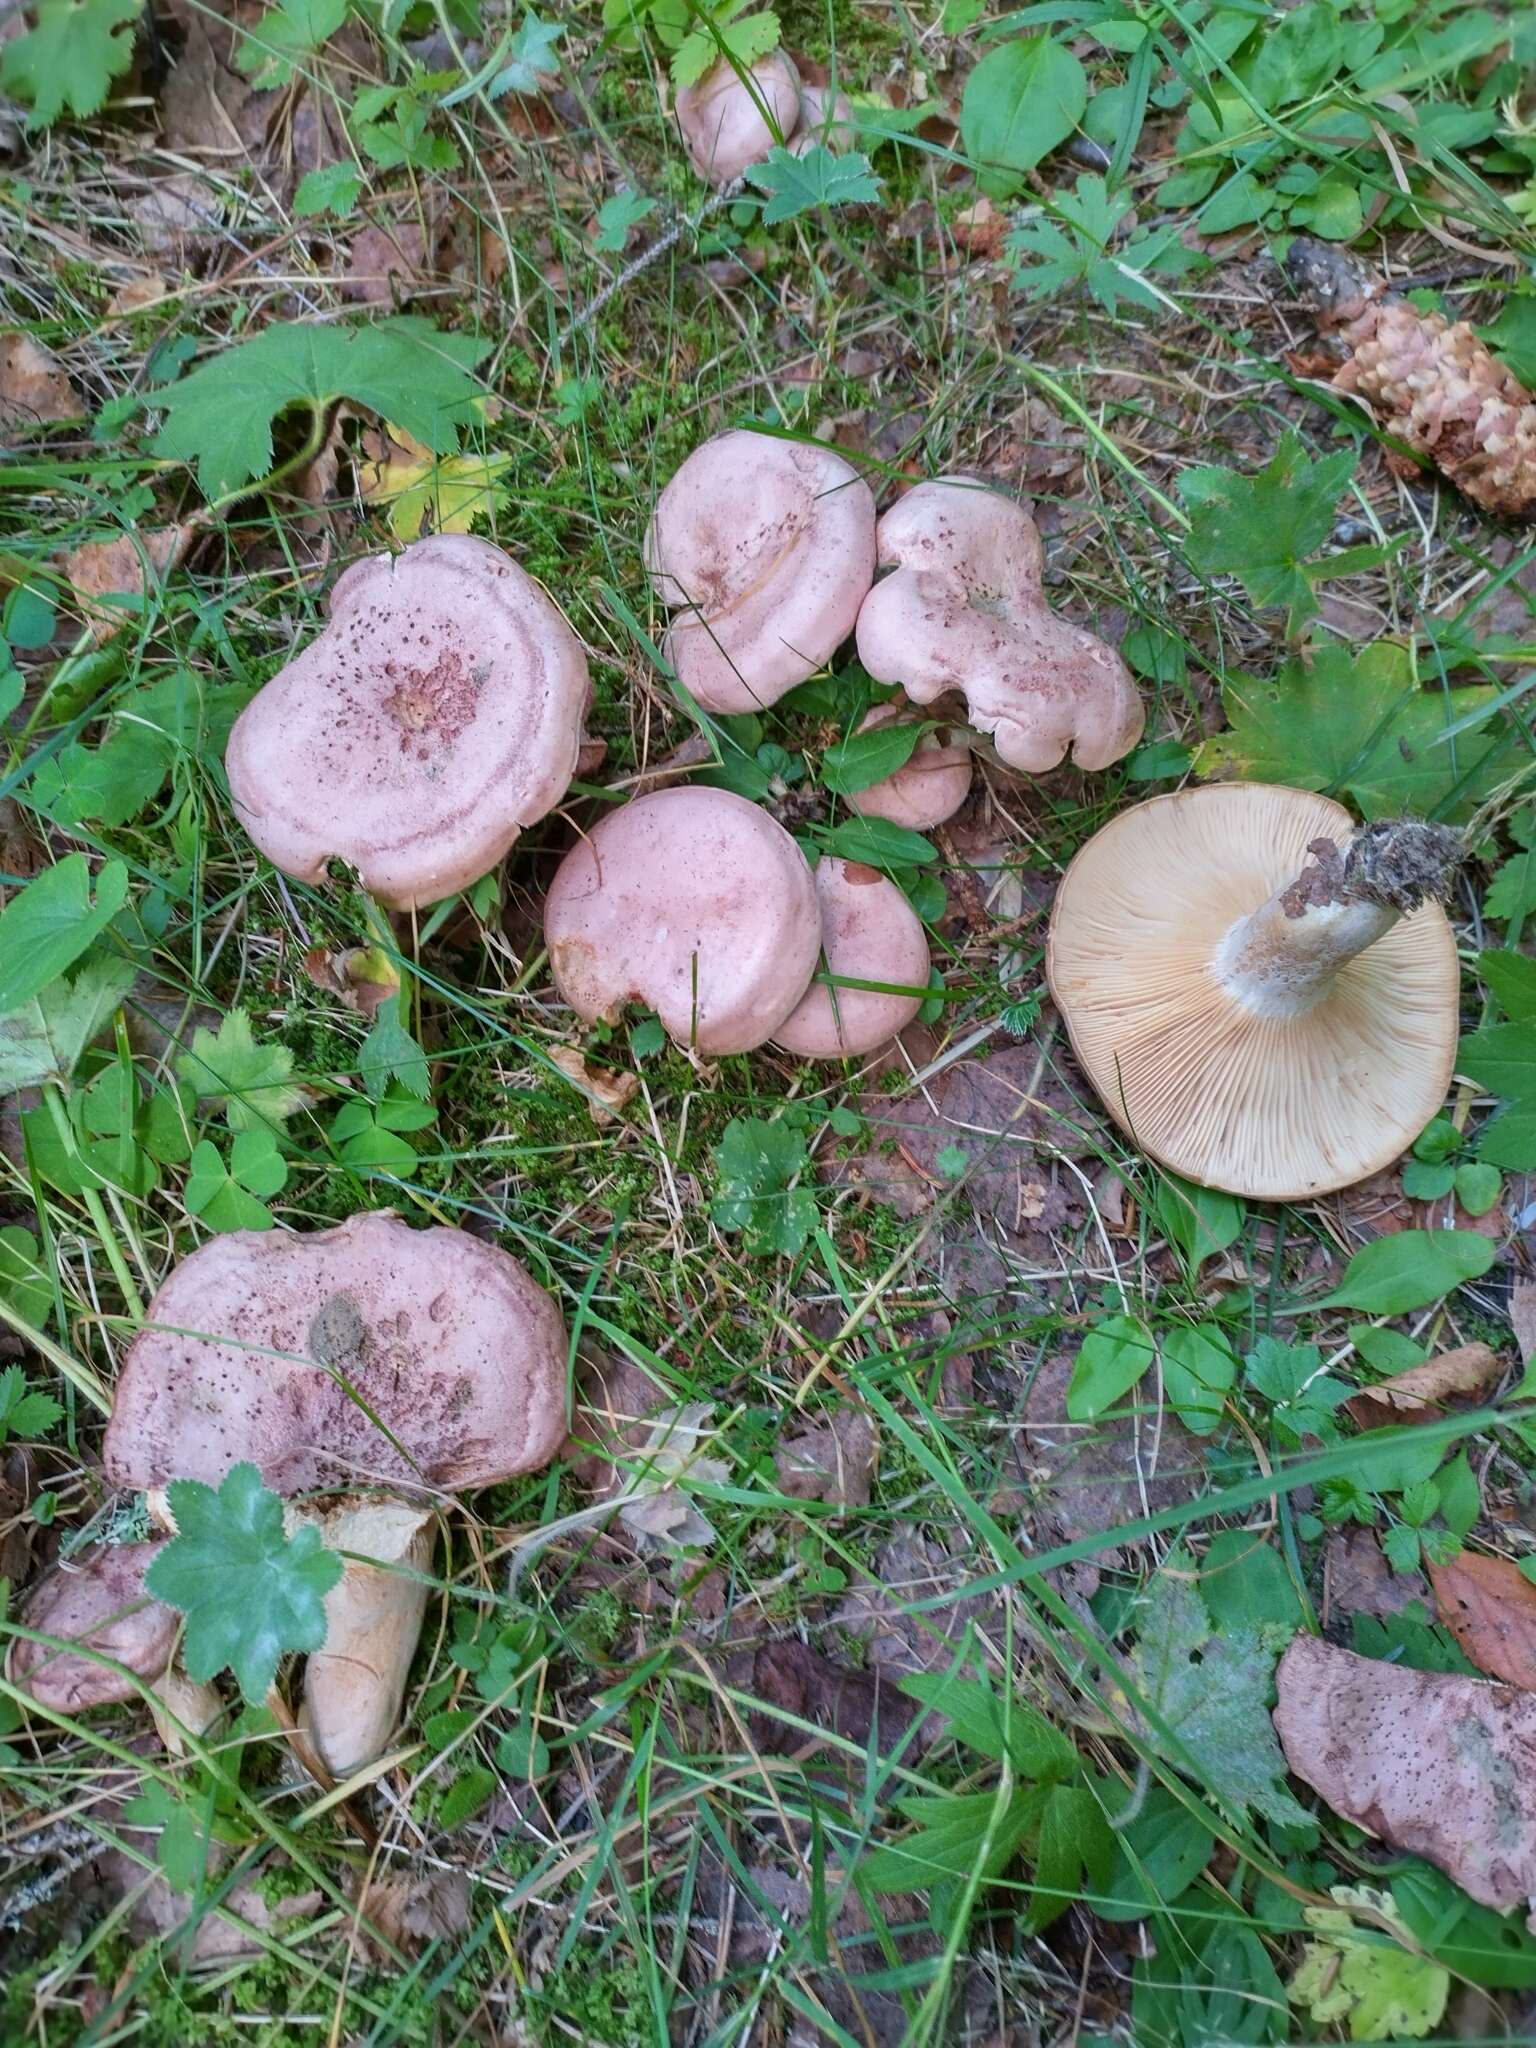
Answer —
(363, 977)
(1360, 1581)
(1431, 1762)
(1415, 1395)
(416, 1907)
(608, 1093)
(1490, 1608)
(385, 263)
(797, 1683)
(832, 1461)
(122, 568)
(1522, 1317)
(34, 390)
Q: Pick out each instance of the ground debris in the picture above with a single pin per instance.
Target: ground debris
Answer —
(1430, 1762)
(832, 1461)
(1416, 1395)
(1489, 1606)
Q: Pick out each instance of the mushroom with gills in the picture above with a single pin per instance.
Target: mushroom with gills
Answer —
(928, 788)
(354, 1684)
(98, 1602)
(729, 121)
(964, 609)
(869, 932)
(694, 903)
(437, 714)
(1264, 997)
(368, 1354)
(765, 551)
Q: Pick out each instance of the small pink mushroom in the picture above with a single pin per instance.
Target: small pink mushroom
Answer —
(965, 610)
(765, 550)
(371, 1352)
(728, 122)
(869, 932)
(98, 1601)
(693, 902)
(927, 789)
(437, 714)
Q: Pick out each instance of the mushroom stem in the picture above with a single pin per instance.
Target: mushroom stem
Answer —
(1281, 960)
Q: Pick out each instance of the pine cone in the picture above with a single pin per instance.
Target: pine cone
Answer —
(1437, 388)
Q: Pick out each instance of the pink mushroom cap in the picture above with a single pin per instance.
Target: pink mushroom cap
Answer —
(282, 1349)
(766, 550)
(97, 1600)
(725, 121)
(927, 789)
(965, 610)
(437, 715)
(869, 932)
(695, 903)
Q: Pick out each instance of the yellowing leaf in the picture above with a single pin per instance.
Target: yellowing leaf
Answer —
(454, 491)
(1354, 1974)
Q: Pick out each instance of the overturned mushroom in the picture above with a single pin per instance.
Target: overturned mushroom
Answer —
(354, 1685)
(729, 121)
(367, 1353)
(695, 903)
(437, 714)
(1262, 1007)
(765, 550)
(965, 610)
(927, 789)
(98, 1601)
(869, 932)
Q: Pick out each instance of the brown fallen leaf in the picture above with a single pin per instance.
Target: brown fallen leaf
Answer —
(1358, 1579)
(1415, 1395)
(608, 1093)
(1522, 1317)
(363, 976)
(34, 390)
(797, 1683)
(832, 1461)
(386, 263)
(1489, 1606)
(1431, 1762)
(413, 1908)
(122, 568)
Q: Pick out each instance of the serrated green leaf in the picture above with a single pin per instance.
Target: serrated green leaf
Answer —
(747, 38)
(1261, 528)
(531, 57)
(270, 51)
(1511, 979)
(390, 1054)
(253, 1082)
(182, 1847)
(756, 1161)
(23, 1411)
(43, 1041)
(615, 218)
(67, 61)
(219, 417)
(333, 189)
(796, 184)
(1357, 726)
(983, 1721)
(1360, 1978)
(46, 926)
(1512, 893)
(249, 1592)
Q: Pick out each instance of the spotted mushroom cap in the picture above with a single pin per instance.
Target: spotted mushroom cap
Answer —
(964, 609)
(284, 1349)
(694, 903)
(869, 932)
(437, 715)
(928, 788)
(764, 550)
(723, 118)
(1272, 1107)
(97, 1600)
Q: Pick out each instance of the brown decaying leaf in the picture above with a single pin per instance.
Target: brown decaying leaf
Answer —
(386, 263)
(1522, 1317)
(1358, 1579)
(1431, 1762)
(362, 976)
(122, 568)
(413, 1907)
(796, 1682)
(607, 1093)
(832, 1461)
(1490, 1608)
(34, 390)
(1415, 1395)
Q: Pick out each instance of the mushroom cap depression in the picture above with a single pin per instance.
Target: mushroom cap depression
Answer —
(765, 550)
(279, 1348)
(869, 932)
(98, 1600)
(695, 903)
(1275, 1107)
(437, 714)
(926, 790)
(965, 610)
(722, 119)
